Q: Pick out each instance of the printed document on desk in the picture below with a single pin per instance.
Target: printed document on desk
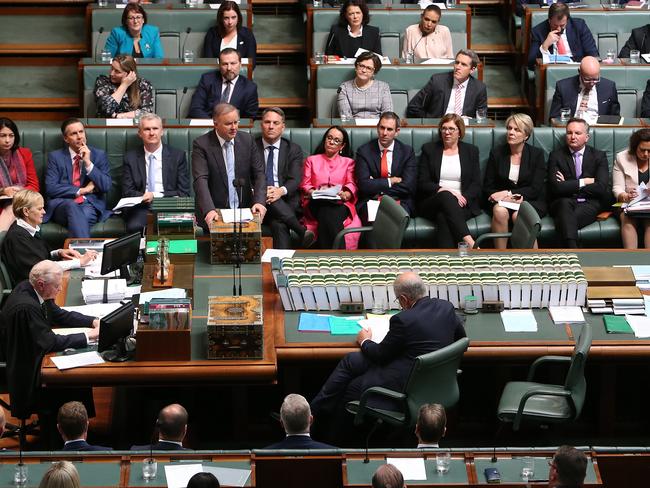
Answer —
(411, 468)
(95, 310)
(77, 360)
(566, 315)
(519, 321)
(179, 474)
(378, 324)
(640, 325)
(229, 215)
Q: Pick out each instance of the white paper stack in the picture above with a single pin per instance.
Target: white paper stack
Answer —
(330, 193)
(566, 315)
(93, 290)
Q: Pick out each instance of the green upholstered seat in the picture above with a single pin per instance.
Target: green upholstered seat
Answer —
(544, 403)
(524, 231)
(433, 379)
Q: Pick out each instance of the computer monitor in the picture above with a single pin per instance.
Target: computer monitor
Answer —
(118, 254)
(114, 329)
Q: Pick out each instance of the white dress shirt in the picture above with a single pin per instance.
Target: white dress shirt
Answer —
(450, 172)
(231, 44)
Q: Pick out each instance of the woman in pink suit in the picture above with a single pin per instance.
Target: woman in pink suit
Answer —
(330, 165)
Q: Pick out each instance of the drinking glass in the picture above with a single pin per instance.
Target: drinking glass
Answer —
(635, 56)
(20, 474)
(565, 114)
(379, 306)
(481, 115)
(149, 469)
(317, 3)
(471, 304)
(463, 249)
(188, 56)
(319, 57)
(611, 56)
(106, 56)
(102, 3)
(528, 468)
(410, 57)
(442, 462)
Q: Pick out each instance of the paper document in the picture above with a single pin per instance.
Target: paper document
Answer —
(557, 59)
(119, 123)
(229, 215)
(93, 290)
(511, 205)
(425, 3)
(437, 61)
(127, 202)
(378, 324)
(373, 206)
(345, 325)
(366, 122)
(411, 468)
(229, 476)
(166, 293)
(519, 321)
(566, 315)
(329, 193)
(642, 193)
(646, 57)
(314, 322)
(82, 244)
(640, 324)
(77, 360)
(64, 331)
(202, 122)
(179, 474)
(96, 310)
(277, 253)
(93, 270)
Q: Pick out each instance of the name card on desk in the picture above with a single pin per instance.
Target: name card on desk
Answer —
(119, 123)
(201, 123)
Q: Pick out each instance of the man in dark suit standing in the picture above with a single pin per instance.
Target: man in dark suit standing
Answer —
(72, 424)
(456, 92)
(225, 86)
(424, 325)
(283, 174)
(578, 179)
(220, 158)
(77, 179)
(561, 34)
(153, 170)
(386, 166)
(639, 40)
(296, 418)
(586, 94)
(172, 427)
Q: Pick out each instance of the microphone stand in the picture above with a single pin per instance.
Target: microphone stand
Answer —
(240, 236)
(234, 253)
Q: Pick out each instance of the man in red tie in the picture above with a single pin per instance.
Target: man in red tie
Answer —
(386, 166)
(76, 181)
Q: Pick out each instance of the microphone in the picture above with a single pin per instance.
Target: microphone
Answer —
(182, 53)
(100, 32)
(335, 102)
(416, 45)
(329, 42)
(180, 105)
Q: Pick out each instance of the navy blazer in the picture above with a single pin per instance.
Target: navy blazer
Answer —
(340, 43)
(160, 446)
(208, 94)
(82, 445)
(580, 39)
(645, 103)
(58, 181)
(299, 442)
(568, 89)
(368, 172)
(531, 183)
(290, 161)
(246, 44)
(470, 173)
(175, 172)
(432, 100)
(639, 40)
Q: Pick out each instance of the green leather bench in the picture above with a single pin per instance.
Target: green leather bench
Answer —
(173, 22)
(169, 81)
(420, 233)
(392, 24)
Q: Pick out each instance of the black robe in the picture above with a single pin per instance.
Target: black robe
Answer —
(20, 251)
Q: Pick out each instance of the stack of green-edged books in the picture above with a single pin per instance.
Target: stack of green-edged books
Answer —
(175, 225)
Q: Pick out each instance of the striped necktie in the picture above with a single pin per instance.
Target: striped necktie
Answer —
(458, 102)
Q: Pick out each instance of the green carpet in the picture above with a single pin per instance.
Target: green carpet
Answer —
(488, 29)
(39, 81)
(501, 81)
(43, 29)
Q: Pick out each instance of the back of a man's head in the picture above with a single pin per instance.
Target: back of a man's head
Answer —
(387, 476)
(72, 421)
(295, 414)
(569, 467)
(431, 424)
(172, 422)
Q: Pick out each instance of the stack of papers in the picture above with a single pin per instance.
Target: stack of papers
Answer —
(77, 360)
(566, 315)
(411, 468)
(639, 324)
(331, 193)
(93, 270)
(126, 203)
(519, 321)
(96, 310)
(166, 293)
(314, 322)
(93, 290)
(378, 325)
(229, 215)
(642, 276)
(345, 325)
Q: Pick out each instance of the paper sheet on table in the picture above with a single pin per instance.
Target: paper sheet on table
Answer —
(557, 59)
(511, 205)
(119, 122)
(167, 293)
(229, 476)
(564, 315)
(77, 360)
(641, 272)
(202, 122)
(95, 310)
(373, 206)
(277, 253)
(345, 325)
(437, 61)
(127, 202)
(179, 474)
(64, 331)
(646, 57)
(411, 468)
(314, 322)
(378, 324)
(519, 321)
(646, 301)
(230, 215)
(640, 325)
(93, 270)
(366, 122)
(641, 192)
(425, 3)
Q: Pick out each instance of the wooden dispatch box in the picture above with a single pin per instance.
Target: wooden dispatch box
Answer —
(222, 242)
(235, 328)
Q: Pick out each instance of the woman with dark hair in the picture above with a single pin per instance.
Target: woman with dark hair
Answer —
(229, 32)
(17, 170)
(122, 94)
(631, 168)
(203, 480)
(353, 32)
(449, 183)
(135, 37)
(331, 165)
(364, 97)
(516, 171)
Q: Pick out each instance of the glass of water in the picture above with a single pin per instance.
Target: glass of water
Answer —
(481, 115)
(106, 56)
(319, 57)
(528, 468)
(565, 114)
(443, 459)
(451, 3)
(379, 306)
(410, 57)
(611, 56)
(20, 474)
(192, 3)
(188, 56)
(102, 3)
(149, 469)
(317, 3)
(463, 249)
(635, 56)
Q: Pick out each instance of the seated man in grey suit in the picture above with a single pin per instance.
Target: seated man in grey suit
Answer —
(172, 427)
(283, 174)
(153, 170)
(296, 418)
(72, 424)
(454, 92)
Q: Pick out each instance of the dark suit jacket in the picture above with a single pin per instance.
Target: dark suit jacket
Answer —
(430, 325)
(370, 182)
(566, 95)
(208, 94)
(246, 44)
(176, 177)
(58, 181)
(639, 40)
(532, 174)
(470, 173)
(645, 103)
(210, 177)
(340, 43)
(82, 445)
(594, 165)
(160, 446)
(289, 168)
(433, 99)
(299, 442)
(581, 41)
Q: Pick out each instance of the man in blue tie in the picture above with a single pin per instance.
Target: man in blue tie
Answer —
(152, 171)
(578, 178)
(223, 159)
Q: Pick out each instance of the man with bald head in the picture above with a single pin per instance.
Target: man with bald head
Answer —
(388, 476)
(587, 95)
(172, 427)
(424, 325)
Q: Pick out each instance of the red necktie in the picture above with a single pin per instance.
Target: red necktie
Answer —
(561, 47)
(76, 176)
(384, 164)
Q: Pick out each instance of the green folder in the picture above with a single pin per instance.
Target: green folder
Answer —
(344, 325)
(180, 246)
(616, 324)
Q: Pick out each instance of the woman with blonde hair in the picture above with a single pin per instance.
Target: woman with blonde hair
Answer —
(122, 94)
(62, 474)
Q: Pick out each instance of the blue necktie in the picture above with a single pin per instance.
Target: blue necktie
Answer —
(151, 173)
(270, 181)
(233, 200)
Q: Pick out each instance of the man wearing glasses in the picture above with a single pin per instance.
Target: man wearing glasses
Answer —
(568, 468)
(587, 95)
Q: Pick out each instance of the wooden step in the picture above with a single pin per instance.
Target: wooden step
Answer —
(280, 48)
